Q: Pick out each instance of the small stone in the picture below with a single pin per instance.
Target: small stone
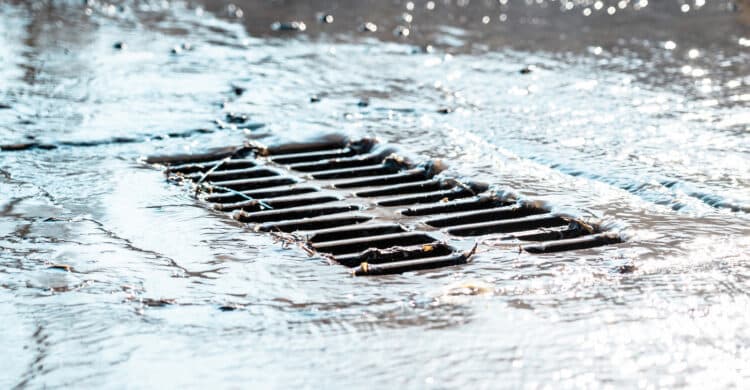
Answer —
(444, 110)
(363, 103)
(120, 45)
(315, 99)
(238, 90)
(526, 70)
(626, 269)
(4, 106)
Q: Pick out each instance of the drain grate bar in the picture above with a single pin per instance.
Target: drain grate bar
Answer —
(347, 232)
(366, 269)
(368, 208)
(509, 225)
(406, 176)
(325, 222)
(265, 193)
(385, 241)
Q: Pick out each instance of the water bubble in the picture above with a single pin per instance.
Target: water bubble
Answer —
(670, 45)
(410, 6)
(503, 17)
(485, 19)
(586, 11)
(611, 10)
(430, 5)
(407, 17)
(694, 53)
(598, 5)
(685, 8)
(368, 27)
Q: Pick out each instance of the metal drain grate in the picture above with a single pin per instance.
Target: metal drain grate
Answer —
(369, 209)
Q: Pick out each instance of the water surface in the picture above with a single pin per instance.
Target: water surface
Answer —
(636, 113)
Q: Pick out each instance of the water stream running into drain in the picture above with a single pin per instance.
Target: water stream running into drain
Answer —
(633, 112)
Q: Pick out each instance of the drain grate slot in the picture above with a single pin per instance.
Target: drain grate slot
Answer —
(508, 212)
(292, 213)
(384, 241)
(348, 232)
(317, 192)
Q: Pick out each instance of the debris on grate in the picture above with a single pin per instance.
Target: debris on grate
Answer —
(367, 208)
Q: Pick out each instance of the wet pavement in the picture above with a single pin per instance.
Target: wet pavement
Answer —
(634, 113)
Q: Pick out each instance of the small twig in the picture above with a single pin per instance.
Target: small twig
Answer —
(263, 205)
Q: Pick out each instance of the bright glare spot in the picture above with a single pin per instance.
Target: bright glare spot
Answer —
(410, 6)
(598, 5)
(611, 10)
(744, 41)
(485, 19)
(694, 53)
(430, 5)
(622, 4)
(586, 11)
(685, 8)
(503, 17)
(700, 3)
(670, 45)
(407, 17)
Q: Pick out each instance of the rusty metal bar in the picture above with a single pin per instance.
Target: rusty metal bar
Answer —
(384, 241)
(365, 269)
(399, 253)
(584, 242)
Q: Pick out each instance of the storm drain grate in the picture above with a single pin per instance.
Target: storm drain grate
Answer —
(367, 208)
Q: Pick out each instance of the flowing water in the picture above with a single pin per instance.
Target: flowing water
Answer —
(634, 112)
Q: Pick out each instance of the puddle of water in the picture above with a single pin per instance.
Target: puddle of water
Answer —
(637, 116)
